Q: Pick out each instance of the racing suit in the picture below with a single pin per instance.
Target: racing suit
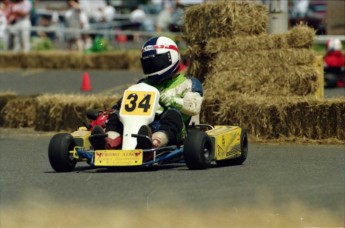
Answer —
(181, 98)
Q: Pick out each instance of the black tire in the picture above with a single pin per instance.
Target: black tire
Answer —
(58, 152)
(330, 80)
(244, 152)
(198, 150)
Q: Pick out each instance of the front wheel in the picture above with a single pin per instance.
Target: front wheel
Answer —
(198, 150)
(58, 152)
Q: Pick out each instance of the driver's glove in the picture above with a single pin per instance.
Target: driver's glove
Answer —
(171, 101)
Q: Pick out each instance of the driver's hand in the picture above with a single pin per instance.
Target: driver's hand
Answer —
(170, 101)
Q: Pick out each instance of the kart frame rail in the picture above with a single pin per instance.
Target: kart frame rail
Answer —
(160, 155)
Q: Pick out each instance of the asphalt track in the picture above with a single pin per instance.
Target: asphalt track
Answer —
(33, 82)
(279, 185)
(293, 185)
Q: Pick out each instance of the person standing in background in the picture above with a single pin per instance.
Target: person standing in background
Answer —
(34, 18)
(3, 32)
(6, 7)
(72, 20)
(109, 12)
(85, 25)
(22, 25)
(137, 17)
(164, 18)
(92, 8)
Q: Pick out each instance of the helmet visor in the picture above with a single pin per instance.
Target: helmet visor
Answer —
(153, 64)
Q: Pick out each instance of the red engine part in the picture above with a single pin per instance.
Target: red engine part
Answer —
(100, 120)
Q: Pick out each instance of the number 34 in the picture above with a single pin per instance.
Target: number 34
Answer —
(137, 103)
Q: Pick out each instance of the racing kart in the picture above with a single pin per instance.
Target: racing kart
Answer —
(203, 144)
(334, 77)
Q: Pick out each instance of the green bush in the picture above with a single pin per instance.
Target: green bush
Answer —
(41, 44)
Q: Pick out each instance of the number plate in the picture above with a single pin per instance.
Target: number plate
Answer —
(138, 103)
(118, 157)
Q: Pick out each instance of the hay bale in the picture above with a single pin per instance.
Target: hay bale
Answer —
(19, 112)
(71, 60)
(10, 60)
(66, 112)
(262, 59)
(265, 50)
(278, 117)
(257, 62)
(198, 61)
(223, 19)
(300, 36)
(4, 99)
(297, 80)
(118, 60)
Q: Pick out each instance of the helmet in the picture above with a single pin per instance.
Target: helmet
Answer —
(160, 58)
(333, 44)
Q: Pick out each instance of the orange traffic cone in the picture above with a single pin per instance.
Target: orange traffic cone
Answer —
(86, 84)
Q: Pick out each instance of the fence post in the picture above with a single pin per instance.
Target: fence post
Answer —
(278, 16)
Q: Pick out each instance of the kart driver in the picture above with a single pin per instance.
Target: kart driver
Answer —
(181, 98)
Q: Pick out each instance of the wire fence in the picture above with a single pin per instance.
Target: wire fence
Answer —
(130, 38)
(117, 38)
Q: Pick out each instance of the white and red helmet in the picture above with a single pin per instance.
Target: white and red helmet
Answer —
(160, 58)
(333, 44)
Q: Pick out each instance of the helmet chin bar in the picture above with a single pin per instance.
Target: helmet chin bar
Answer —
(158, 79)
(155, 63)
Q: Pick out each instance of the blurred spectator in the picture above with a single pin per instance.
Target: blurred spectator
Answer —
(48, 21)
(137, 15)
(3, 32)
(20, 13)
(105, 14)
(75, 19)
(85, 25)
(92, 9)
(72, 20)
(34, 18)
(300, 8)
(177, 18)
(109, 13)
(164, 18)
(7, 8)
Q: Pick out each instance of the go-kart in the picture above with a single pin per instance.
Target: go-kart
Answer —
(203, 144)
(334, 77)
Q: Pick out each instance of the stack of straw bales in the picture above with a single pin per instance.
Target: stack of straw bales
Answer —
(265, 83)
(52, 112)
(68, 60)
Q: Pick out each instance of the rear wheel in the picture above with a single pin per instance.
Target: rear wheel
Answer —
(330, 80)
(244, 151)
(197, 150)
(58, 152)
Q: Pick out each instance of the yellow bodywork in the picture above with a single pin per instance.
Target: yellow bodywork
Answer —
(81, 137)
(226, 141)
(118, 157)
(105, 157)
